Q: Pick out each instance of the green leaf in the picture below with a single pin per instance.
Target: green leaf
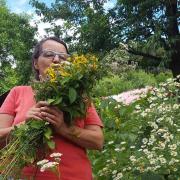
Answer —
(51, 144)
(82, 107)
(48, 133)
(72, 95)
(50, 101)
(36, 124)
(151, 176)
(57, 101)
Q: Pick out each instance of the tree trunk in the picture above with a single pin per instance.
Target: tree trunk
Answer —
(173, 36)
(175, 59)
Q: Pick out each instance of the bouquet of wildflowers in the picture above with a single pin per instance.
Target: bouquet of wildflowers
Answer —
(68, 86)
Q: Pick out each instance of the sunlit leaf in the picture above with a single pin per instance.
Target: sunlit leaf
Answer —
(72, 95)
(51, 144)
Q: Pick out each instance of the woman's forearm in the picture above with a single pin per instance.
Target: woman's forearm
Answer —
(91, 137)
(4, 132)
(6, 122)
(3, 136)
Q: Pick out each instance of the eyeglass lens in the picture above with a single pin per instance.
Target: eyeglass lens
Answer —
(52, 54)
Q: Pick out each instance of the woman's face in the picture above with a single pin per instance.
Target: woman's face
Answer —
(52, 52)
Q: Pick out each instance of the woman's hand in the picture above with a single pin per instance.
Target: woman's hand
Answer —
(53, 115)
(90, 137)
(42, 111)
(35, 111)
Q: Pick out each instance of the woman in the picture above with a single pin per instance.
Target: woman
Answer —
(20, 106)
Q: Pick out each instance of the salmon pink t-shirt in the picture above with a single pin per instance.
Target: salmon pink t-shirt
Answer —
(74, 163)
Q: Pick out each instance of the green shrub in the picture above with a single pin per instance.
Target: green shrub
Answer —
(140, 79)
(118, 61)
(111, 85)
(8, 80)
(161, 77)
(142, 140)
(114, 84)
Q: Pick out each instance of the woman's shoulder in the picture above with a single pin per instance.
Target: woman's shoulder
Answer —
(22, 89)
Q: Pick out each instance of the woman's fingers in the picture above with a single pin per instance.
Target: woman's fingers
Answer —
(50, 110)
(36, 117)
(50, 121)
(42, 104)
(43, 111)
(33, 116)
(52, 115)
(34, 113)
(45, 115)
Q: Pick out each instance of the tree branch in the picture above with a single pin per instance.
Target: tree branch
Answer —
(139, 53)
(135, 52)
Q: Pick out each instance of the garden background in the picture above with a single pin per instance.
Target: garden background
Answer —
(138, 44)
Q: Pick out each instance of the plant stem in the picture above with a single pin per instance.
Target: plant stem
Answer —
(19, 149)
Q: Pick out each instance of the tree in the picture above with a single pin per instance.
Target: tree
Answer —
(17, 40)
(87, 22)
(9, 78)
(148, 27)
(2, 3)
(153, 24)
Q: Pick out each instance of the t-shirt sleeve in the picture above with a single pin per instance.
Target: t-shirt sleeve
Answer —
(92, 117)
(8, 106)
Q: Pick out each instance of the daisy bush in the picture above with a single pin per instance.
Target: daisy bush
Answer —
(142, 138)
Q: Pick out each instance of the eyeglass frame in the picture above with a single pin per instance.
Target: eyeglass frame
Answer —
(55, 53)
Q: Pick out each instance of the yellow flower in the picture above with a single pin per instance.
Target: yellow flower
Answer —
(94, 66)
(82, 62)
(79, 60)
(93, 58)
(50, 72)
(64, 73)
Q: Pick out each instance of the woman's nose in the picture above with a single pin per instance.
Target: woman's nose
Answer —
(56, 59)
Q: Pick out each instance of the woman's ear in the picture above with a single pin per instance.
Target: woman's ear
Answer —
(35, 65)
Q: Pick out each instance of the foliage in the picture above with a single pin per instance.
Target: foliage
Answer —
(74, 80)
(2, 3)
(151, 29)
(8, 78)
(142, 139)
(111, 85)
(17, 40)
(24, 143)
(118, 61)
(140, 78)
(114, 84)
(163, 76)
(87, 22)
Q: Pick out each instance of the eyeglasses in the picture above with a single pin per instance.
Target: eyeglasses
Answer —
(49, 54)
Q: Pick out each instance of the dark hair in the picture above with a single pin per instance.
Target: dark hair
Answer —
(38, 49)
